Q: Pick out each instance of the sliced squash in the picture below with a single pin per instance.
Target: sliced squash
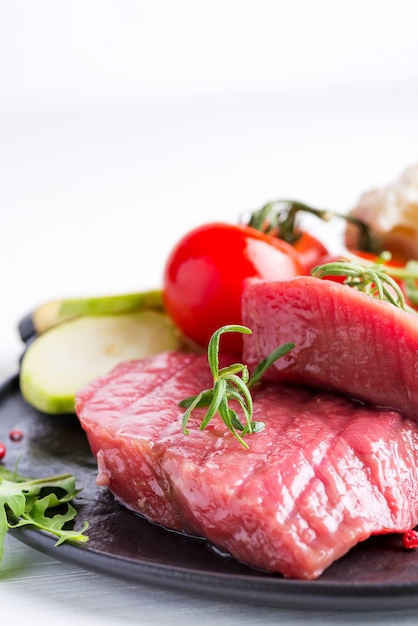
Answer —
(66, 357)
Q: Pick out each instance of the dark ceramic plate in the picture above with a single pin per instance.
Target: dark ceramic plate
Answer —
(378, 574)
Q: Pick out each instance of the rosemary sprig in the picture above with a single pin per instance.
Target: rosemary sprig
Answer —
(407, 274)
(231, 383)
(372, 279)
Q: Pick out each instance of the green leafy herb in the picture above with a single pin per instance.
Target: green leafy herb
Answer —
(372, 279)
(43, 503)
(231, 383)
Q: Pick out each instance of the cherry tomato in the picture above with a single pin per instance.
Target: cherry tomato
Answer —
(310, 250)
(374, 257)
(205, 274)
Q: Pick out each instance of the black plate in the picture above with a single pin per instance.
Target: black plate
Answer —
(378, 574)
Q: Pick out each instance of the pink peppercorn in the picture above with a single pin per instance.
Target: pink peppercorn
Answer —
(410, 539)
(16, 435)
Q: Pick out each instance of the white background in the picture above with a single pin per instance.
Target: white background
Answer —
(124, 124)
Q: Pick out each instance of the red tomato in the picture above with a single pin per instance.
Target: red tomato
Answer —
(367, 256)
(205, 274)
(310, 250)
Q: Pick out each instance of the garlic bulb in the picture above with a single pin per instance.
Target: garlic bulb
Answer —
(391, 213)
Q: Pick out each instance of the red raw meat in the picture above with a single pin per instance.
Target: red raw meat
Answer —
(345, 340)
(325, 474)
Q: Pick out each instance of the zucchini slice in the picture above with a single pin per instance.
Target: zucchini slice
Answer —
(54, 312)
(68, 356)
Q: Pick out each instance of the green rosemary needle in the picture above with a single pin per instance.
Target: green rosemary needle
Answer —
(371, 279)
(230, 384)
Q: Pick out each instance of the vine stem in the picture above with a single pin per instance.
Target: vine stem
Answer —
(279, 217)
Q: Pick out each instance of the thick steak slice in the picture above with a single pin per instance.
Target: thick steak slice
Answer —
(345, 340)
(325, 473)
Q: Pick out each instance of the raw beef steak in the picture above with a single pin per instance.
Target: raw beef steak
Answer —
(345, 340)
(324, 474)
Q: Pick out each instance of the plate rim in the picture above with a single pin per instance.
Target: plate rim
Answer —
(280, 592)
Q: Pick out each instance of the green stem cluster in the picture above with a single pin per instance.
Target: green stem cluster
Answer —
(279, 217)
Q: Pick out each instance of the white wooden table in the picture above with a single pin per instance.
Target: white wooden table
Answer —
(40, 589)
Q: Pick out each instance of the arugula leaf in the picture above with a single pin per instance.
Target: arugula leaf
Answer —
(43, 503)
